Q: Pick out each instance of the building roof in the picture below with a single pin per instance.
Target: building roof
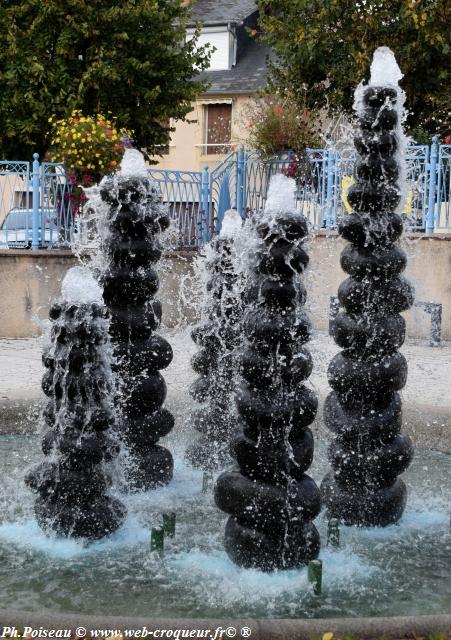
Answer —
(247, 76)
(222, 12)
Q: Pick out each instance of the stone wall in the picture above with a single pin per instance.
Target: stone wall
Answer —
(30, 280)
(428, 268)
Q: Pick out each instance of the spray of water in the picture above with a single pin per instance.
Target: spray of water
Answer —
(219, 336)
(72, 483)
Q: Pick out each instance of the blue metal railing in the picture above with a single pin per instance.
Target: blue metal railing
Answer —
(187, 196)
(36, 208)
(443, 189)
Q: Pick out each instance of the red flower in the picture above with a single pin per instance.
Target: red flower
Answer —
(292, 170)
(277, 109)
(87, 179)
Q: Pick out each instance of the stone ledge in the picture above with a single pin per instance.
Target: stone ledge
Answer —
(38, 253)
(189, 253)
(396, 628)
(331, 233)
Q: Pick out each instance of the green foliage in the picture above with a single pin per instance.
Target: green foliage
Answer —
(420, 135)
(325, 47)
(278, 125)
(127, 58)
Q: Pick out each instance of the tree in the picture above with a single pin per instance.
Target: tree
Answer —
(325, 47)
(129, 58)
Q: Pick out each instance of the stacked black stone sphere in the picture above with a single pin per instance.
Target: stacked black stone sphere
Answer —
(72, 484)
(269, 497)
(364, 409)
(135, 218)
(215, 362)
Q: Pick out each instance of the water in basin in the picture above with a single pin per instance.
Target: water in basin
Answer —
(399, 570)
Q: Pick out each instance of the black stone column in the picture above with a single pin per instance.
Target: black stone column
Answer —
(215, 417)
(364, 409)
(269, 497)
(135, 218)
(72, 485)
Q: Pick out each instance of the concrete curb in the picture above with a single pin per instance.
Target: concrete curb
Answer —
(398, 628)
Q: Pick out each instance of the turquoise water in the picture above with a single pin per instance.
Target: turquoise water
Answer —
(399, 570)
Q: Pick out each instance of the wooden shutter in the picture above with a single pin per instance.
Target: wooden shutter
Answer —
(218, 128)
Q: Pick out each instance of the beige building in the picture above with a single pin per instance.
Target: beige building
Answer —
(237, 72)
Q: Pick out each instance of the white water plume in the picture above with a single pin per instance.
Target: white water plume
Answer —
(133, 165)
(80, 287)
(231, 225)
(281, 195)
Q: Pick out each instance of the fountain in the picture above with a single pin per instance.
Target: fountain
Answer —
(72, 484)
(215, 415)
(364, 408)
(135, 218)
(270, 499)
(47, 570)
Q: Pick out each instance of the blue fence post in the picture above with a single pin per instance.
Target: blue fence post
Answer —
(240, 180)
(205, 204)
(329, 188)
(35, 230)
(432, 182)
(438, 186)
(337, 168)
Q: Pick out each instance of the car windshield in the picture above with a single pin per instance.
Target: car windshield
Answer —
(23, 219)
(17, 220)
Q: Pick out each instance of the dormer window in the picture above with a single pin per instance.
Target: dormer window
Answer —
(223, 39)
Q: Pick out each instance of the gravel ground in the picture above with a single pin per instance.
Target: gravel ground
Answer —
(428, 382)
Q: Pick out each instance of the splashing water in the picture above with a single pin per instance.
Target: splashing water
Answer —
(218, 339)
(79, 286)
(384, 68)
(281, 195)
(231, 225)
(374, 572)
(133, 165)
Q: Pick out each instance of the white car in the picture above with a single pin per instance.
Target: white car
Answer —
(16, 230)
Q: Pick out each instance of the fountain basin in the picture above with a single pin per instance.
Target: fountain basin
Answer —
(401, 570)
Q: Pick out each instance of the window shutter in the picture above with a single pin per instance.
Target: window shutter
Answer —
(218, 128)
